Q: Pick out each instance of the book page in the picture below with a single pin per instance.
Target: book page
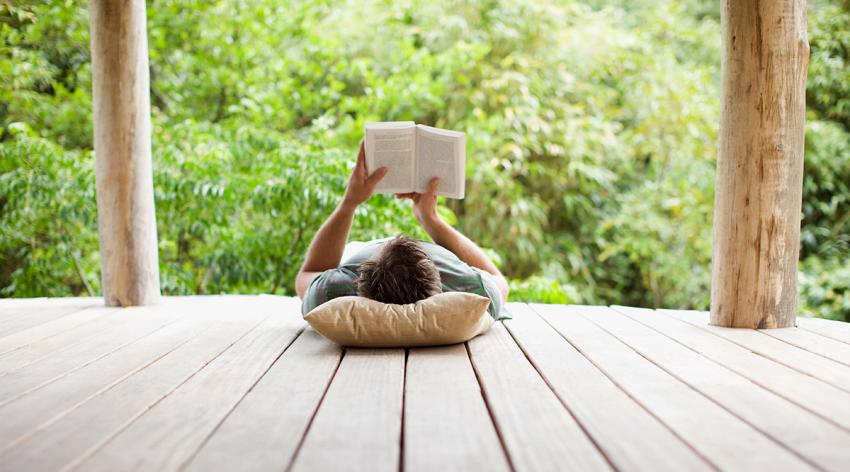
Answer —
(391, 145)
(441, 153)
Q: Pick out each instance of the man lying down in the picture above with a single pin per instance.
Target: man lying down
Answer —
(397, 269)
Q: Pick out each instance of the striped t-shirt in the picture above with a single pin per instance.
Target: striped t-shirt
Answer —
(455, 276)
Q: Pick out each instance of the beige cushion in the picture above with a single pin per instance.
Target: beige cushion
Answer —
(445, 318)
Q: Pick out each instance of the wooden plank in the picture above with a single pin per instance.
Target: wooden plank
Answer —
(16, 306)
(170, 433)
(358, 425)
(813, 438)
(264, 431)
(37, 407)
(821, 345)
(83, 411)
(817, 396)
(23, 318)
(17, 380)
(103, 328)
(717, 434)
(630, 437)
(836, 330)
(32, 301)
(446, 422)
(54, 328)
(801, 360)
(537, 431)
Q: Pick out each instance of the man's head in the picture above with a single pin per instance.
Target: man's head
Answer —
(401, 272)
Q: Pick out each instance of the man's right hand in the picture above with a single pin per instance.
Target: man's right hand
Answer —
(424, 204)
(425, 209)
(361, 185)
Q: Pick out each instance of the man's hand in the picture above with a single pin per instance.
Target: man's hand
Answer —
(424, 204)
(425, 209)
(361, 185)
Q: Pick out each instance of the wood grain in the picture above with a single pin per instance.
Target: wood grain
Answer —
(27, 412)
(836, 330)
(18, 380)
(265, 429)
(102, 328)
(21, 318)
(832, 403)
(537, 431)
(168, 435)
(813, 342)
(728, 441)
(52, 416)
(358, 425)
(630, 436)
(446, 422)
(653, 336)
(759, 184)
(53, 328)
(126, 218)
(829, 371)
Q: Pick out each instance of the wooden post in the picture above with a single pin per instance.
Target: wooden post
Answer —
(760, 164)
(122, 147)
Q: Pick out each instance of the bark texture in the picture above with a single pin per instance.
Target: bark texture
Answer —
(122, 148)
(760, 163)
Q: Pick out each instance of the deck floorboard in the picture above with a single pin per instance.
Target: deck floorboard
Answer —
(446, 422)
(240, 383)
(358, 424)
(779, 351)
(652, 334)
(717, 434)
(538, 432)
(57, 327)
(112, 408)
(184, 419)
(629, 435)
(827, 328)
(267, 426)
(18, 317)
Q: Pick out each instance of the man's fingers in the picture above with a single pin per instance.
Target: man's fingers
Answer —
(433, 186)
(361, 160)
(377, 176)
(405, 195)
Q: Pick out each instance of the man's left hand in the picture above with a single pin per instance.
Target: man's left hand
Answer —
(361, 185)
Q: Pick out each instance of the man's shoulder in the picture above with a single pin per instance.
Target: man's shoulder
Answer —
(330, 284)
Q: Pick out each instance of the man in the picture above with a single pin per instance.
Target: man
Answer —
(395, 270)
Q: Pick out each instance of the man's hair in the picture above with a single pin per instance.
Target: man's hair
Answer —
(401, 272)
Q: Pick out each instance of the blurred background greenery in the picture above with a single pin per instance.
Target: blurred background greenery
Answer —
(591, 127)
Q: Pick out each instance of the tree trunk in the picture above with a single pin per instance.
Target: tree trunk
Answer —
(122, 147)
(760, 164)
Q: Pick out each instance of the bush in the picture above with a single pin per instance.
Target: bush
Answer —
(592, 131)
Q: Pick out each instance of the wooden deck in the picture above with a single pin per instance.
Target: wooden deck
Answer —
(240, 383)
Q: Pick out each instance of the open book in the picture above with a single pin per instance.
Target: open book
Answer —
(413, 154)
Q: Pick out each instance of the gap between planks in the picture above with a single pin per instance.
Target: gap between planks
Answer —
(717, 434)
(665, 341)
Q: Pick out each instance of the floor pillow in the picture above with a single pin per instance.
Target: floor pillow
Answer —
(445, 318)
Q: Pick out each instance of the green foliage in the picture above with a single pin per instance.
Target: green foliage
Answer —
(592, 131)
(543, 290)
(48, 219)
(828, 87)
(825, 288)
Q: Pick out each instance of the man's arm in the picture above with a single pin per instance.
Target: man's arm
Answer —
(328, 244)
(425, 209)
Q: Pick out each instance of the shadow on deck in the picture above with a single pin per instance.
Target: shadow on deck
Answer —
(239, 383)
